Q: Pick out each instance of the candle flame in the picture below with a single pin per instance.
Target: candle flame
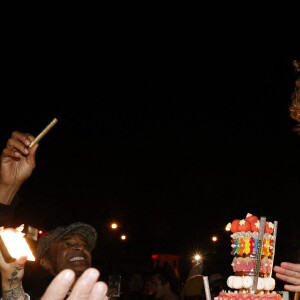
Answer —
(15, 242)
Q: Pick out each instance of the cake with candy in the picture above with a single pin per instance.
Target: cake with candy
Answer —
(253, 249)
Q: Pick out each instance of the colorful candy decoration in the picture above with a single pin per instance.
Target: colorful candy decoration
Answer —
(234, 225)
(253, 276)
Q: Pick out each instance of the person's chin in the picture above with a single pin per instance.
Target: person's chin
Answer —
(79, 268)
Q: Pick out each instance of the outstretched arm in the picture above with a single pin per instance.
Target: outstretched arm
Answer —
(290, 273)
(17, 163)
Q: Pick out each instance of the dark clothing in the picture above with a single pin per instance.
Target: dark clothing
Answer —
(7, 212)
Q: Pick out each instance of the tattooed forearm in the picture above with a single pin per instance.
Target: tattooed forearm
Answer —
(13, 279)
(14, 294)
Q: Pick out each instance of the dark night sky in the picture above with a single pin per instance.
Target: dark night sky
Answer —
(173, 144)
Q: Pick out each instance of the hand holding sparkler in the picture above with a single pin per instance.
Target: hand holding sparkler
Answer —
(11, 276)
(14, 253)
(17, 162)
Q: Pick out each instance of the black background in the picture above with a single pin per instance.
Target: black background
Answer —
(170, 138)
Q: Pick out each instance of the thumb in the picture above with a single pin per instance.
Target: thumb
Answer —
(33, 149)
(31, 155)
(21, 261)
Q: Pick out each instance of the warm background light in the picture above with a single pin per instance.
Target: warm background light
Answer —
(227, 228)
(114, 225)
(197, 257)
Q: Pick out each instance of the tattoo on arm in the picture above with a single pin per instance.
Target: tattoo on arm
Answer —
(13, 294)
(13, 278)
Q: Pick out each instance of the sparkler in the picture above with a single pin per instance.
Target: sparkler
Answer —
(47, 128)
(13, 245)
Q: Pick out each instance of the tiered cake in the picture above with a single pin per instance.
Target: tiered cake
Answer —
(244, 243)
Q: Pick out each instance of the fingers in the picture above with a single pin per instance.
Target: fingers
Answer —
(17, 145)
(2, 261)
(99, 291)
(280, 270)
(287, 272)
(59, 286)
(84, 285)
(292, 288)
(31, 156)
(24, 137)
(6, 261)
(21, 261)
(288, 279)
(291, 266)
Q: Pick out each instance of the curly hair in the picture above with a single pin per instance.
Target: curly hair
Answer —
(295, 105)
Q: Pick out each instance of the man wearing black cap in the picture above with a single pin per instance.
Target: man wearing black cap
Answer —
(65, 247)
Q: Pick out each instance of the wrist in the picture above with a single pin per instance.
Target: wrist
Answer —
(7, 286)
(14, 293)
(11, 283)
(8, 192)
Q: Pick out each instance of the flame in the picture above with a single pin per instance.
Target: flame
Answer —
(15, 242)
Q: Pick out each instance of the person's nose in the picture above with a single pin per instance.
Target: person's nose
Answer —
(79, 246)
